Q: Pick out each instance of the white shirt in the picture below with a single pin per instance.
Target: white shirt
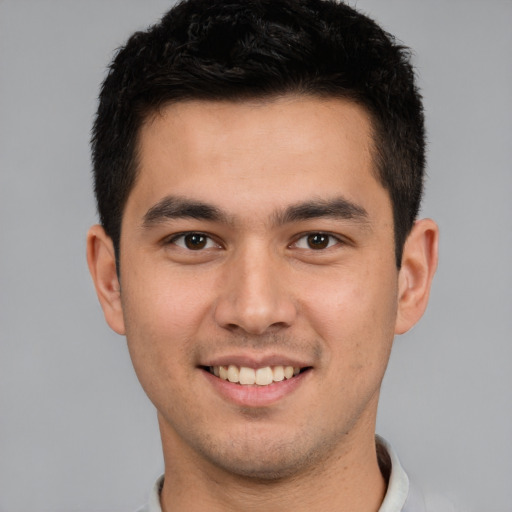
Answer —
(400, 495)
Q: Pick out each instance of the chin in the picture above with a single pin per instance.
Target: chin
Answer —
(267, 460)
(260, 470)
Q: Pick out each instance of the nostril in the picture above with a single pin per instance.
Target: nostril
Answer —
(253, 310)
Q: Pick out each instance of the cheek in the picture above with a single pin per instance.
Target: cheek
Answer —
(163, 312)
(354, 312)
(165, 302)
(161, 322)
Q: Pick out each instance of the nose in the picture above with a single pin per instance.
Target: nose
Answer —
(255, 297)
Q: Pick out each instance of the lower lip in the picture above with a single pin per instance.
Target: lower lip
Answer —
(254, 395)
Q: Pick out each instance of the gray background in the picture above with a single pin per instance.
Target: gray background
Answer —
(76, 431)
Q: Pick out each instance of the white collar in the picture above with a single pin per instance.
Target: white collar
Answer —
(399, 496)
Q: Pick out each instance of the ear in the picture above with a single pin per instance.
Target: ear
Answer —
(419, 263)
(102, 266)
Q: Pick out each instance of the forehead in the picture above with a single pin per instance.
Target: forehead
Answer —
(288, 148)
(298, 120)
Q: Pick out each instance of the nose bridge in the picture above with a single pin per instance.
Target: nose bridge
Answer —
(254, 295)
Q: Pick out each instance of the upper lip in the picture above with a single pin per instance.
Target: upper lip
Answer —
(256, 360)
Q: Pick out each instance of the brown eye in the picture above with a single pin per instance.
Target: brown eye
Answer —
(318, 241)
(195, 241)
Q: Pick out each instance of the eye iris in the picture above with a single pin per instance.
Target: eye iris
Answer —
(318, 241)
(195, 241)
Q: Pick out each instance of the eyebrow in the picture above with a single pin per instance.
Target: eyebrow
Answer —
(336, 208)
(175, 207)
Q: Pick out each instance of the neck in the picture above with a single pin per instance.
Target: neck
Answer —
(350, 480)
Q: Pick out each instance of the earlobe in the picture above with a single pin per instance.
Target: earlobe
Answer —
(419, 263)
(102, 266)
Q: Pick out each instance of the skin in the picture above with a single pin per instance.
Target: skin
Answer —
(258, 291)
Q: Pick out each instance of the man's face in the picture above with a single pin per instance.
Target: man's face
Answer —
(256, 237)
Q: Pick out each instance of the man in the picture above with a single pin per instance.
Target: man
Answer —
(258, 171)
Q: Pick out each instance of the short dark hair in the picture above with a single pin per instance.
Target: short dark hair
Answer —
(248, 49)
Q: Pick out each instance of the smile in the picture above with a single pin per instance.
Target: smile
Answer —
(254, 376)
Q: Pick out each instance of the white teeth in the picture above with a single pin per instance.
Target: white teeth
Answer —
(288, 372)
(278, 373)
(249, 376)
(264, 376)
(233, 373)
(223, 372)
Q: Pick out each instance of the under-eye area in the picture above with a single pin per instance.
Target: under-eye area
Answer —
(255, 376)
